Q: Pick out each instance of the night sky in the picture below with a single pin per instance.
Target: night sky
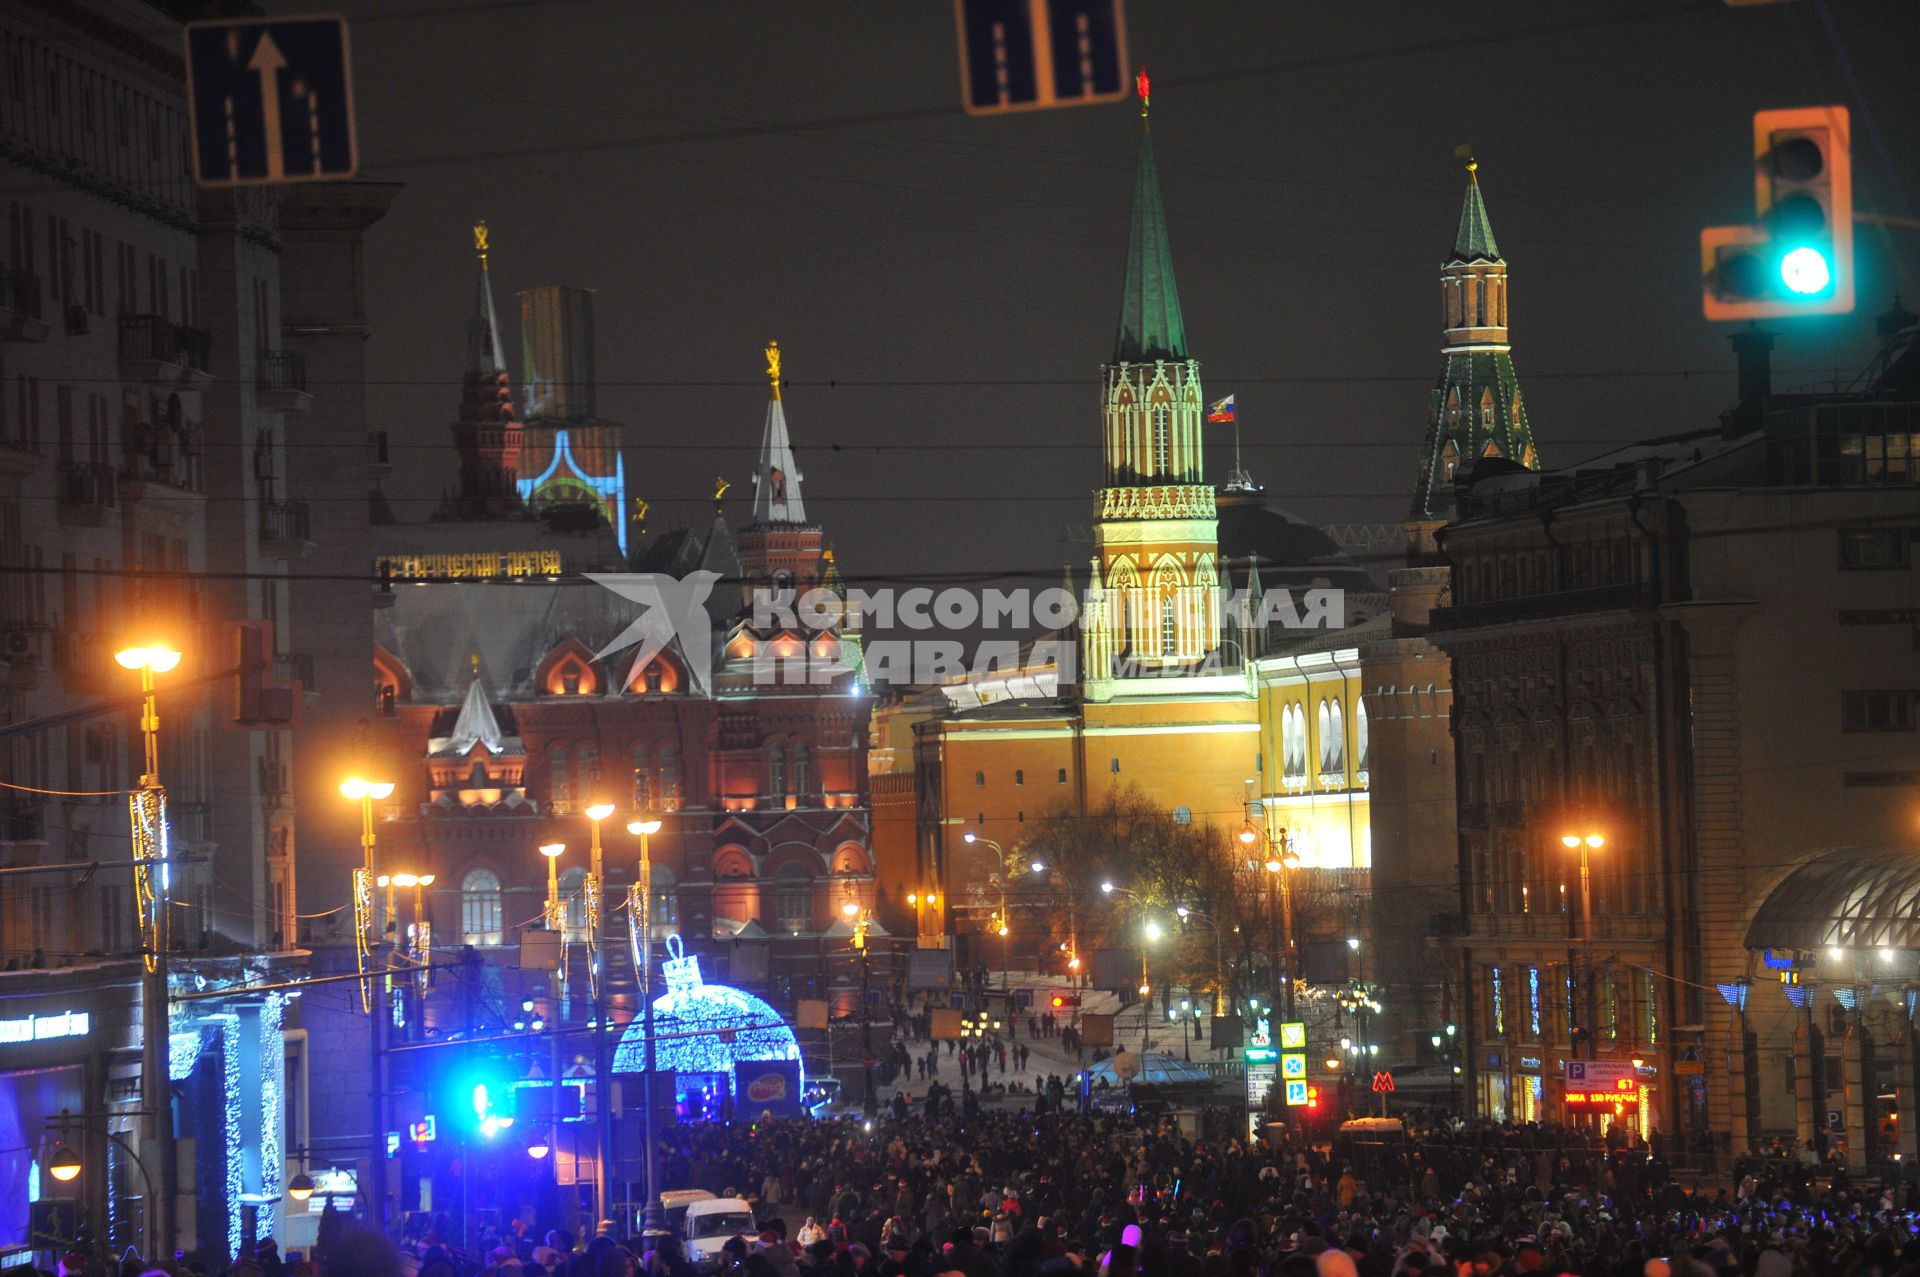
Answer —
(725, 173)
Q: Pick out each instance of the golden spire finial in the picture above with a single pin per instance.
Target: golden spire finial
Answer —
(1464, 151)
(773, 366)
(720, 486)
(473, 658)
(480, 241)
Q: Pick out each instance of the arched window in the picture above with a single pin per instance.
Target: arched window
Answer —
(573, 904)
(480, 907)
(1480, 300)
(1169, 626)
(1360, 743)
(589, 759)
(802, 770)
(559, 780)
(1161, 443)
(793, 897)
(776, 769)
(669, 778)
(1336, 742)
(642, 779)
(979, 780)
(1326, 735)
(1486, 409)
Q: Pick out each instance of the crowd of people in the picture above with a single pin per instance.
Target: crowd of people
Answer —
(1012, 1193)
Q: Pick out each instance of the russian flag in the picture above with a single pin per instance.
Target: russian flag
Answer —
(1222, 411)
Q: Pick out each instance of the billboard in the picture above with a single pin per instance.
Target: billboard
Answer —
(1117, 970)
(929, 968)
(767, 1086)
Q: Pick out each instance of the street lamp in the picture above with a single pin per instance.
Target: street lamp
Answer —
(64, 1165)
(538, 1146)
(153, 892)
(1280, 867)
(1586, 844)
(300, 1187)
(553, 851)
(640, 924)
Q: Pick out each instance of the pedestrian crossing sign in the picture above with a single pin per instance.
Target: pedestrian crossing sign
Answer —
(1296, 1092)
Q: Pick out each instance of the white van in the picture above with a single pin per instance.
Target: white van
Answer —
(710, 1224)
(673, 1208)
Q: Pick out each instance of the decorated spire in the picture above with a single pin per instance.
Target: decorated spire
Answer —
(484, 352)
(776, 480)
(477, 724)
(1474, 240)
(1150, 324)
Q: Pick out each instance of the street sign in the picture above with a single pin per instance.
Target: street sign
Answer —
(1296, 1092)
(271, 101)
(1293, 1064)
(1096, 1030)
(1836, 1120)
(1028, 55)
(1383, 1082)
(1261, 1071)
(1598, 1075)
(1293, 1035)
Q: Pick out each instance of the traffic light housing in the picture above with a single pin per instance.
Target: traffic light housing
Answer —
(1797, 256)
(261, 701)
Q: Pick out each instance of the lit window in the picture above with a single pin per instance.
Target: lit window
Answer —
(1169, 627)
(480, 907)
(1160, 440)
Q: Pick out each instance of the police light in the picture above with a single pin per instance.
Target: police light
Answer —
(1796, 257)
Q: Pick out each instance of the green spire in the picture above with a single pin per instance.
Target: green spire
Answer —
(1150, 324)
(1474, 242)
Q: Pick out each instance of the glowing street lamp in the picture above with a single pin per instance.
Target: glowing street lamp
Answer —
(640, 924)
(538, 1146)
(1586, 844)
(65, 1163)
(300, 1187)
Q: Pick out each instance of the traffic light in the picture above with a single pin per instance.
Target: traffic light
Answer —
(261, 700)
(1061, 1001)
(1797, 257)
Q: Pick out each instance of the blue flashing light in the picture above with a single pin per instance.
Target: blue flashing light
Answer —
(1805, 271)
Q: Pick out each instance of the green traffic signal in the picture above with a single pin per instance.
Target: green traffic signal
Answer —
(1805, 271)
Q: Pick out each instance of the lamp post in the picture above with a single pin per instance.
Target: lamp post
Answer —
(1002, 922)
(1184, 912)
(860, 919)
(602, 1063)
(646, 826)
(1280, 866)
(1038, 866)
(366, 940)
(65, 1165)
(1586, 844)
(153, 891)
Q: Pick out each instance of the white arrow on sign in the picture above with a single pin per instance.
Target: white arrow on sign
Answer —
(268, 62)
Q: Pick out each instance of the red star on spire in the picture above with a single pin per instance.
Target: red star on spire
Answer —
(1140, 82)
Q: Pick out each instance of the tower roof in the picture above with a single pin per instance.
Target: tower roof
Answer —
(476, 724)
(484, 352)
(776, 480)
(1474, 241)
(1150, 323)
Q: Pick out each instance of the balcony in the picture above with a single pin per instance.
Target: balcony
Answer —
(281, 385)
(169, 464)
(89, 495)
(20, 307)
(154, 349)
(285, 530)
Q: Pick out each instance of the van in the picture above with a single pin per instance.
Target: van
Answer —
(710, 1224)
(673, 1207)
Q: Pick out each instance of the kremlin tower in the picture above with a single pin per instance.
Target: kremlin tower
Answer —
(1477, 411)
(1152, 605)
(488, 434)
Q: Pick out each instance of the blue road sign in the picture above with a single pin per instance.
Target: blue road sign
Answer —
(1026, 55)
(271, 101)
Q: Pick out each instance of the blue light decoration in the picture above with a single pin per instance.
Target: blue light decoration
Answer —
(704, 1028)
(1735, 993)
(235, 1126)
(1848, 998)
(1797, 994)
(273, 1061)
(1533, 1001)
(609, 488)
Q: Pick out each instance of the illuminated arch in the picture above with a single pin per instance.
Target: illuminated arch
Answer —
(568, 670)
(392, 681)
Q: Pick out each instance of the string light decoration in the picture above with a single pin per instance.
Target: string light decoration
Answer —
(147, 817)
(591, 891)
(273, 1062)
(704, 1028)
(363, 933)
(235, 1125)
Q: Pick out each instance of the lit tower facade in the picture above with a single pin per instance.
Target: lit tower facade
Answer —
(571, 457)
(1477, 411)
(1153, 602)
(488, 435)
(779, 547)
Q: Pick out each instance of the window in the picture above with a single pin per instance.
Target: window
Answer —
(589, 760)
(642, 779)
(573, 904)
(1063, 775)
(559, 780)
(979, 780)
(1019, 776)
(1360, 742)
(802, 770)
(666, 902)
(480, 907)
(793, 897)
(1890, 711)
(1114, 766)
(1875, 548)
(1169, 627)
(1183, 815)
(669, 794)
(1160, 440)
(776, 769)
(1336, 742)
